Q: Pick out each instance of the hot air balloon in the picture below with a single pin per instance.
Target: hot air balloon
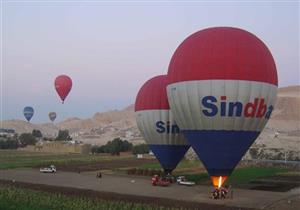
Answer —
(28, 112)
(52, 116)
(63, 85)
(222, 90)
(157, 126)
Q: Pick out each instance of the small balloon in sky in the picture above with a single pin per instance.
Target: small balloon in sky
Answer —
(28, 112)
(63, 86)
(52, 116)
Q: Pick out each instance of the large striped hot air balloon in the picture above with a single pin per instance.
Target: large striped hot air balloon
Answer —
(156, 123)
(222, 90)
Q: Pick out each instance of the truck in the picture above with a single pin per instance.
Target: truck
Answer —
(181, 180)
(50, 169)
(159, 181)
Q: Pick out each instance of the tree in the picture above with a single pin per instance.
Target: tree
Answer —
(27, 139)
(126, 146)
(8, 143)
(94, 149)
(63, 135)
(113, 147)
(37, 133)
(140, 149)
(118, 145)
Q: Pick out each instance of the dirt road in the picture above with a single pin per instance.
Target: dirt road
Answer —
(141, 186)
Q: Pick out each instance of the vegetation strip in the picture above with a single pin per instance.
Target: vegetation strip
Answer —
(17, 159)
(19, 198)
(155, 202)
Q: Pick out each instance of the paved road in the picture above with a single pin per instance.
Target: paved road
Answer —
(142, 186)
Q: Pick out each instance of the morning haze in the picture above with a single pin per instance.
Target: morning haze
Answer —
(111, 49)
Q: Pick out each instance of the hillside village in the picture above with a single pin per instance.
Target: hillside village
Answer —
(281, 135)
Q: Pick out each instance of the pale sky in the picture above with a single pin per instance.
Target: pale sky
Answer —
(110, 49)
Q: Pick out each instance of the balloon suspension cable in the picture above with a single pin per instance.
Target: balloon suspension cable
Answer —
(62, 102)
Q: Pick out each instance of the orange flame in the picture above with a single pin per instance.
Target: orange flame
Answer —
(218, 181)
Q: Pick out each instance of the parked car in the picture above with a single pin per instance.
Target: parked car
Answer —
(183, 181)
(50, 169)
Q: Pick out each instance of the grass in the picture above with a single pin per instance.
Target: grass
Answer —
(12, 198)
(199, 178)
(19, 159)
(242, 176)
(184, 164)
(238, 178)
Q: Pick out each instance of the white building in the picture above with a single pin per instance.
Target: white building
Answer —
(7, 132)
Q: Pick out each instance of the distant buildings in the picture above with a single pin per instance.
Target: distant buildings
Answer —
(4, 132)
(63, 147)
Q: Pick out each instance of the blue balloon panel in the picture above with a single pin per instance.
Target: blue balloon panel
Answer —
(220, 151)
(169, 155)
(28, 113)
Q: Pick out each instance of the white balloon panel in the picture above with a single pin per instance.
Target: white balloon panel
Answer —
(154, 128)
(186, 102)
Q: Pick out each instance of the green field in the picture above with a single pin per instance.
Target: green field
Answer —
(18, 159)
(240, 176)
(193, 170)
(243, 176)
(12, 198)
(184, 164)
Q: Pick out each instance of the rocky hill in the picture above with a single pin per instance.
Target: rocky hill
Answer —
(282, 134)
(286, 115)
(99, 129)
(282, 131)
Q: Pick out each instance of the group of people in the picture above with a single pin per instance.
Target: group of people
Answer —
(221, 193)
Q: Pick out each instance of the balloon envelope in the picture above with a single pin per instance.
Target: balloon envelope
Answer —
(63, 85)
(222, 90)
(28, 112)
(52, 116)
(157, 126)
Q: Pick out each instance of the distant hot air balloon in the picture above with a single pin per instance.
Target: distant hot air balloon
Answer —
(28, 112)
(52, 116)
(157, 126)
(222, 90)
(63, 85)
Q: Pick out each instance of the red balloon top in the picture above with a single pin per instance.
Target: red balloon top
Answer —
(153, 94)
(63, 85)
(222, 53)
